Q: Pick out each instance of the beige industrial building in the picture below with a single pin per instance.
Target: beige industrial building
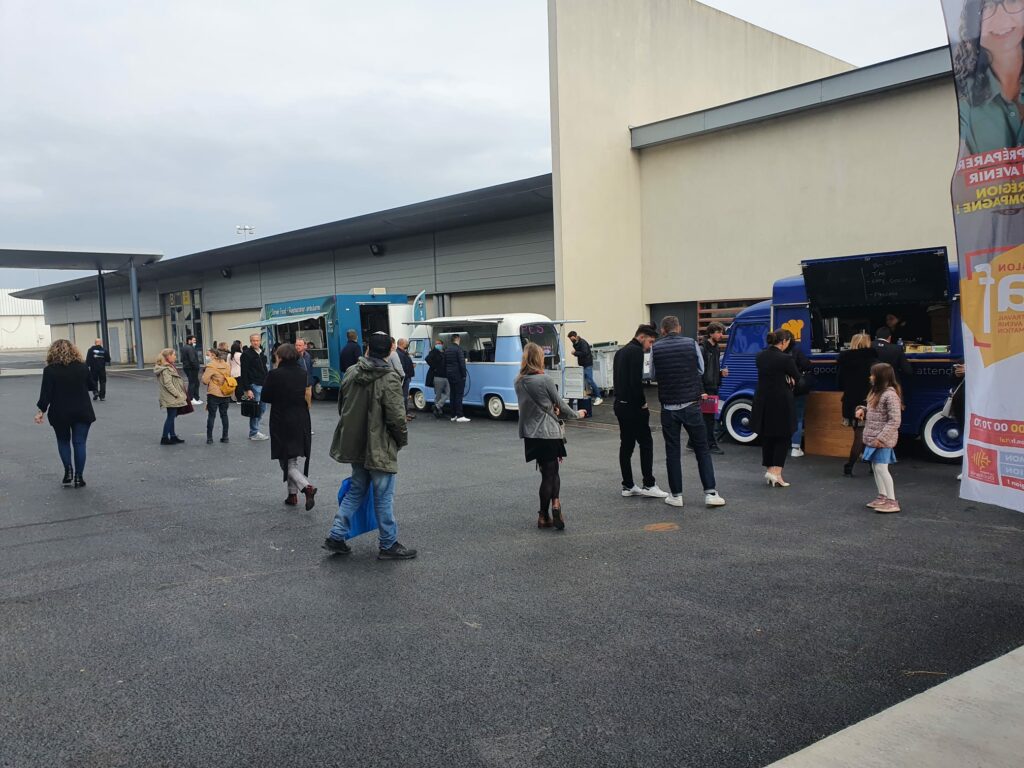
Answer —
(689, 173)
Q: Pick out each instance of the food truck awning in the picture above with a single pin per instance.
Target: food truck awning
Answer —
(279, 320)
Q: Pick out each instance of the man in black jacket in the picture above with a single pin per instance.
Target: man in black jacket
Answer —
(633, 414)
(350, 353)
(437, 377)
(893, 354)
(251, 380)
(712, 378)
(585, 357)
(190, 364)
(96, 360)
(455, 372)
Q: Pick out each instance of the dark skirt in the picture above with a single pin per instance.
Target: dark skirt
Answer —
(540, 449)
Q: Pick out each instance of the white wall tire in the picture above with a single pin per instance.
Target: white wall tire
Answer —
(737, 418)
(943, 437)
(419, 400)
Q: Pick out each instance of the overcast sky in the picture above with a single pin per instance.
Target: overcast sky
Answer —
(162, 126)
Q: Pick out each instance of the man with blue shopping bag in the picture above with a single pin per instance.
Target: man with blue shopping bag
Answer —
(370, 432)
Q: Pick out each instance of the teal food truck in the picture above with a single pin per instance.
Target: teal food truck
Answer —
(323, 322)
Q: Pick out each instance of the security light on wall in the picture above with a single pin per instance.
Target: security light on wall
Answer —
(76, 297)
(377, 249)
(226, 273)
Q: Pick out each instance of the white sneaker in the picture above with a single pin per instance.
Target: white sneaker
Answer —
(712, 499)
(653, 492)
(197, 402)
(674, 501)
(259, 436)
(960, 477)
(454, 418)
(796, 453)
(597, 400)
(462, 420)
(634, 491)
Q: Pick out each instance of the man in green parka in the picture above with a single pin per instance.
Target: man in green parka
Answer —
(371, 430)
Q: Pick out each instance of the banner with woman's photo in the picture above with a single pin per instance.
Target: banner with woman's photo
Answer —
(987, 45)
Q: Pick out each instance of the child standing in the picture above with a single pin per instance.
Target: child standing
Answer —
(881, 433)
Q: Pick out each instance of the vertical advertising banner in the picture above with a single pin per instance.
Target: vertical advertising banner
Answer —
(986, 40)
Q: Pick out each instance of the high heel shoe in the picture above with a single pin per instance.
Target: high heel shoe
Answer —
(774, 480)
(68, 476)
(543, 520)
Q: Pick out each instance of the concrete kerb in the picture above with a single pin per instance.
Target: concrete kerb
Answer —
(971, 720)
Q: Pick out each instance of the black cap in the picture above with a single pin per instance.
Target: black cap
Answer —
(883, 333)
(380, 344)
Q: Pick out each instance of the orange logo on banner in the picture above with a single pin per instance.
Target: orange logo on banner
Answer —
(796, 327)
(993, 305)
(981, 464)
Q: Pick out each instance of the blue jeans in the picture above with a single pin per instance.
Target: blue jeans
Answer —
(172, 414)
(383, 504)
(692, 420)
(801, 408)
(75, 436)
(588, 380)
(254, 421)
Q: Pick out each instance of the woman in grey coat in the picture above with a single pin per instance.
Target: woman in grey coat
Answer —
(540, 409)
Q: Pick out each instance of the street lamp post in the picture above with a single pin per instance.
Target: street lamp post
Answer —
(245, 231)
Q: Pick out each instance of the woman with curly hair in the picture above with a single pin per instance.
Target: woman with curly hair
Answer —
(64, 398)
(988, 64)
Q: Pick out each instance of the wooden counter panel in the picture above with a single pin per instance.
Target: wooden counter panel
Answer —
(824, 433)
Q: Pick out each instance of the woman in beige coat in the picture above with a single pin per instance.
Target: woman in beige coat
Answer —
(172, 393)
(218, 393)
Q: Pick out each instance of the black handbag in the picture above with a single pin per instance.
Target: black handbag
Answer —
(251, 408)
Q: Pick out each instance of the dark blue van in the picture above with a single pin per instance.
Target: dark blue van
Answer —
(835, 298)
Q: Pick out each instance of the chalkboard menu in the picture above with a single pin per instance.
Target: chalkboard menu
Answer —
(912, 277)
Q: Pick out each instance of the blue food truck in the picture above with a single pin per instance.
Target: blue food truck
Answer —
(835, 298)
(323, 322)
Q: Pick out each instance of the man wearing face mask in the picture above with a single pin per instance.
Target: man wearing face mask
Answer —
(436, 377)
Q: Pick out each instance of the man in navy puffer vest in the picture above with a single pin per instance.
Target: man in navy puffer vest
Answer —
(678, 365)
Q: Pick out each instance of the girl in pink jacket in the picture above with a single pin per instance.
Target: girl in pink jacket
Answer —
(882, 416)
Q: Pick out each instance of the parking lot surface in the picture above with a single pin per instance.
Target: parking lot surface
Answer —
(175, 613)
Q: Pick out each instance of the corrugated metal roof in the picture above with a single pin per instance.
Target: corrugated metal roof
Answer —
(12, 307)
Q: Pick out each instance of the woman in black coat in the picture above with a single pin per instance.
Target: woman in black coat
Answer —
(290, 428)
(774, 416)
(65, 397)
(853, 373)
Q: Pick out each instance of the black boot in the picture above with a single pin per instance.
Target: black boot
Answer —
(79, 481)
(209, 438)
(68, 476)
(848, 469)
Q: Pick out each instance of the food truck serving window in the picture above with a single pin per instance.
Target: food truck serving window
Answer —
(908, 290)
(544, 336)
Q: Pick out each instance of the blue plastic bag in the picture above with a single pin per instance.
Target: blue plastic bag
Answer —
(365, 518)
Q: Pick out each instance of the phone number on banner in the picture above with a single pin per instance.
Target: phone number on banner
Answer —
(1000, 432)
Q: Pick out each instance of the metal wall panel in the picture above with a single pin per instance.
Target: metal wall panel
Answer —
(505, 254)
(406, 266)
(297, 278)
(240, 291)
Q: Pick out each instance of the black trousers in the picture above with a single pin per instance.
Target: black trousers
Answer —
(458, 387)
(193, 384)
(711, 425)
(215, 405)
(634, 430)
(774, 451)
(100, 377)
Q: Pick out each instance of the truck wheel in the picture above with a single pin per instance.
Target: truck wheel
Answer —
(737, 419)
(495, 407)
(943, 436)
(319, 393)
(419, 400)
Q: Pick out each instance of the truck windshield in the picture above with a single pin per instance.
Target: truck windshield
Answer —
(544, 336)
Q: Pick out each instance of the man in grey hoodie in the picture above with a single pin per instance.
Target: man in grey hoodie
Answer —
(373, 430)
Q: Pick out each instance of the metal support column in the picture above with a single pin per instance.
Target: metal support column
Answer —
(101, 290)
(133, 279)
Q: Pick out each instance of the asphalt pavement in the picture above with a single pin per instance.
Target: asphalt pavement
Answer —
(175, 613)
